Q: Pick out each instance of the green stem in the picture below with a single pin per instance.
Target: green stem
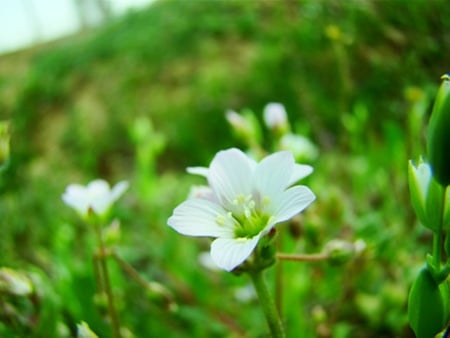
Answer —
(266, 301)
(279, 277)
(106, 283)
(303, 257)
(438, 237)
(152, 287)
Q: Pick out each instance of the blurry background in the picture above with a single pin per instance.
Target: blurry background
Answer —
(142, 95)
(30, 22)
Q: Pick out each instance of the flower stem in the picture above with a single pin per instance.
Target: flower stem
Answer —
(106, 283)
(279, 277)
(151, 286)
(438, 236)
(266, 301)
(303, 258)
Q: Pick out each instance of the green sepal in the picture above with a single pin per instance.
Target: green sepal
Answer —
(434, 206)
(447, 245)
(427, 305)
(438, 138)
(446, 219)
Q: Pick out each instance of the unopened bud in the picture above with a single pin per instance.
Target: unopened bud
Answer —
(340, 251)
(245, 125)
(438, 140)
(426, 194)
(275, 117)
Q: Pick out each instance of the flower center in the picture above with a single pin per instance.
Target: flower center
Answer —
(248, 215)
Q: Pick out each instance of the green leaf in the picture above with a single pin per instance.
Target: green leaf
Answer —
(427, 309)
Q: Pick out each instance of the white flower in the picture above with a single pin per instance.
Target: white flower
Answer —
(15, 282)
(275, 116)
(300, 146)
(249, 199)
(245, 294)
(97, 196)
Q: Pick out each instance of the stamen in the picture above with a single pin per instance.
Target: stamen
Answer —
(220, 220)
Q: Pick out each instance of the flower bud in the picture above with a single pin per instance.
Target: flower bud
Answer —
(426, 194)
(275, 117)
(438, 139)
(245, 125)
(340, 251)
(427, 305)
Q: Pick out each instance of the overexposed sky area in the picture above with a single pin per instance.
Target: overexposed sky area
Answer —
(25, 22)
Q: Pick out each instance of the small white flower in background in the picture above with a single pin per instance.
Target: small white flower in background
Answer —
(205, 260)
(302, 148)
(96, 197)
(84, 331)
(201, 191)
(15, 282)
(275, 116)
(250, 198)
(245, 294)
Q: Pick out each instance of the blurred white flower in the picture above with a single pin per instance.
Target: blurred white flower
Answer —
(15, 282)
(275, 116)
(84, 331)
(206, 261)
(250, 198)
(96, 197)
(302, 148)
(245, 294)
(201, 191)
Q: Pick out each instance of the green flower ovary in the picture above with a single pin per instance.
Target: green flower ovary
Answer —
(249, 219)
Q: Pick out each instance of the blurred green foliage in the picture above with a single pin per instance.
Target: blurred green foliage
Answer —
(356, 77)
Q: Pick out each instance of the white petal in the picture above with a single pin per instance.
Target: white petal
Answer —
(273, 173)
(228, 253)
(98, 187)
(202, 171)
(300, 171)
(118, 190)
(292, 202)
(230, 175)
(199, 217)
(100, 205)
(75, 196)
(101, 197)
(423, 176)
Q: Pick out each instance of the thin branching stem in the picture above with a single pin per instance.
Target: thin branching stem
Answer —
(303, 257)
(106, 283)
